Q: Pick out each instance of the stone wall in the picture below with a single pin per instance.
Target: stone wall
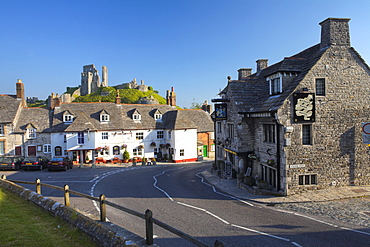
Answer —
(337, 154)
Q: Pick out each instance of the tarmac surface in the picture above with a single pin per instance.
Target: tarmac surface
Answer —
(336, 193)
(349, 204)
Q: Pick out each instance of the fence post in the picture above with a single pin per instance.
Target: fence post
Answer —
(149, 227)
(66, 195)
(38, 186)
(103, 209)
(3, 177)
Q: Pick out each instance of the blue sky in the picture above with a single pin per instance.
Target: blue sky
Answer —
(191, 45)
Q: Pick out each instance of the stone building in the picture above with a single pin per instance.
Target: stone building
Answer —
(133, 85)
(296, 125)
(90, 79)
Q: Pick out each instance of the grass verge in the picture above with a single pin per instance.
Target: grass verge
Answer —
(24, 224)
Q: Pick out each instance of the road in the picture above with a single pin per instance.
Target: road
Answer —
(178, 196)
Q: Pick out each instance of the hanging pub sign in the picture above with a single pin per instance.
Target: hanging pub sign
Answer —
(304, 107)
(221, 111)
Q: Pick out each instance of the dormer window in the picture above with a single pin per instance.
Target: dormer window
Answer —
(67, 117)
(136, 116)
(275, 83)
(157, 115)
(31, 133)
(104, 116)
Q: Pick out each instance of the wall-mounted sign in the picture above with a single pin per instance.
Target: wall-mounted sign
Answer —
(221, 111)
(304, 107)
(366, 133)
(297, 166)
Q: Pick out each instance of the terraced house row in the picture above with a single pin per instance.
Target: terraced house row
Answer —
(85, 131)
(296, 125)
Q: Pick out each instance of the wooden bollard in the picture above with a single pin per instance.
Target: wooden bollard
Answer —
(38, 186)
(103, 209)
(66, 195)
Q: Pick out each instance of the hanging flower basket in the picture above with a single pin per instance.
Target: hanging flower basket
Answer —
(140, 147)
(168, 145)
(124, 146)
(153, 144)
(270, 161)
(252, 157)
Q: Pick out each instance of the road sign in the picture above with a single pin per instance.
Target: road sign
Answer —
(366, 133)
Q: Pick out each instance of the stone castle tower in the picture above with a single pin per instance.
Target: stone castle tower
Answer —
(90, 79)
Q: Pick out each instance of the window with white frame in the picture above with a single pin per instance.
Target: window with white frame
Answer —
(137, 152)
(269, 133)
(160, 134)
(68, 118)
(47, 148)
(2, 132)
(275, 83)
(136, 117)
(139, 135)
(182, 152)
(31, 133)
(80, 138)
(104, 135)
(157, 116)
(308, 179)
(104, 118)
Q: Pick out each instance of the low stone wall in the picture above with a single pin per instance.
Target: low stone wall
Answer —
(105, 234)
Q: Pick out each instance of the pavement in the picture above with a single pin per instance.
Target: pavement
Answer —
(230, 187)
(245, 192)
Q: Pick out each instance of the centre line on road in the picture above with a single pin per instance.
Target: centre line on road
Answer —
(214, 215)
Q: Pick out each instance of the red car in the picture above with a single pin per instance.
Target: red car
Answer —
(60, 163)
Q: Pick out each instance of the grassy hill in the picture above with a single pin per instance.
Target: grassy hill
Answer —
(128, 96)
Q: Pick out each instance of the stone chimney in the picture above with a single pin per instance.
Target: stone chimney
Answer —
(206, 107)
(53, 101)
(118, 98)
(171, 97)
(243, 73)
(20, 92)
(261, 65)
(335, 31)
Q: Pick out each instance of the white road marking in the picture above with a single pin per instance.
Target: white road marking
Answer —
(212, 214)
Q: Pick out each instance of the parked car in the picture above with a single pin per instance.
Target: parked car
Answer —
(60, 163)
(38, 163)
(10, 162)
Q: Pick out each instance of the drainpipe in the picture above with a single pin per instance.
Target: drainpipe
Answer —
(278, 152)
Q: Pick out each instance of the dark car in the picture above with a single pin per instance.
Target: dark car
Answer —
(38, 163)
(10, 162)
(60, 163)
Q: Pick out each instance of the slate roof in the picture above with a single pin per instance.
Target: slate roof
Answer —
(252, 95)
(87, 116)
(33, 117)
(9, 105)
